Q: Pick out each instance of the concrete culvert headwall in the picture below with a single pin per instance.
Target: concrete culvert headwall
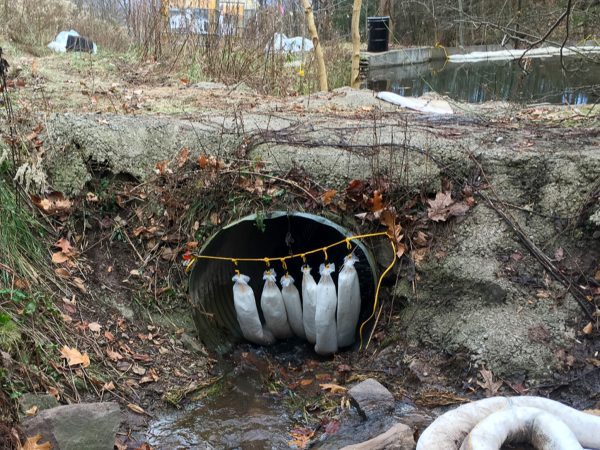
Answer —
(277, 234)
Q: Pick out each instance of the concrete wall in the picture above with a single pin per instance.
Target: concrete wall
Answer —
(419, 55)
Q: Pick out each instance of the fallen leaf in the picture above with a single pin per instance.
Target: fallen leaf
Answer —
(202, 161)
(491, 387)
(32, 444)
(114, 356)
(333, 388)
(377, 202)
(62, 272)
(95, 327)
(32, 411)
(53, 203)
(59, 258)
(332, 427)
(306, 382)
(301, 437)
(74, 357)
(136, 408)
(183, 157)
(110, 386)
(137, 369)
(588, 328)
(150, 377)
(79, 284)
(53, 392)
(444, 207)
(328, 196)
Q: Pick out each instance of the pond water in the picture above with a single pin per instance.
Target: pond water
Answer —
(482, 81)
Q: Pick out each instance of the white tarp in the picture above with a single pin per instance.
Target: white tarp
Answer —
(59, 44)
(541, 52)
(296, 44)
(426, 105)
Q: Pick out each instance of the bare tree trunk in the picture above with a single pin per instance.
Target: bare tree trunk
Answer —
(461, 24)
(312, 29)
(354, 81)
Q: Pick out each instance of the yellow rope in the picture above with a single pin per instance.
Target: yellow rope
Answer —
(376, 300)
(283, 260)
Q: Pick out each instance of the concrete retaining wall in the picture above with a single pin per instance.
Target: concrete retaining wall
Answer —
(419, 55)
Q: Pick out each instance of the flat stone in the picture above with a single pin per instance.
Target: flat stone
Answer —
(89, 426)
(398, 437)
(371, 398)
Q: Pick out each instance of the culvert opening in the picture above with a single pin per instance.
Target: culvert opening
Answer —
(275, 235)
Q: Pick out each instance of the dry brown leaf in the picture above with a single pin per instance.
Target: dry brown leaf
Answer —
(79, 283)
(183, 157)
(59, 258)
(74, 357)
(32, 444)
(588, 328)
(32, 411)
(138, 370)
(62, 272)
(95, 327)
(437, 210)
(110, 386)
(202, 161)
(328, 196)
(53, 203)
(333, 388)
(53, 392)
(491, 387)
(306, 382)
(377, 204)
(136, 408)
(114, 356)
(151, 376)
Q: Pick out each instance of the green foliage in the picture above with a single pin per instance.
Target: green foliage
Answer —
(21, 236)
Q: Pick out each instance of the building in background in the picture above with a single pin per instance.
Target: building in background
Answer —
(209, 16)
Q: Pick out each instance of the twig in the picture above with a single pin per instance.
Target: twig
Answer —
(542, 258)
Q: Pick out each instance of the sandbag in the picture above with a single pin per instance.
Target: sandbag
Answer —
(247, 312)
(293, 307)
(309, 304)
(273, 307)
(348, 307)
(325, 312)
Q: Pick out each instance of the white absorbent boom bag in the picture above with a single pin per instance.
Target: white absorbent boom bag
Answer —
(293, 307)
(247, 312)
(348, 307)
(273, 307)
(325, 312)
(309, 304)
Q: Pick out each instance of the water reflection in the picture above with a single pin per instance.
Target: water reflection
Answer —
(495, 80)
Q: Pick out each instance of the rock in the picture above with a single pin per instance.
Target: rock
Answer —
(42, 401)
(191, 344)
(399, 437)
(371, 398)
(89, 426)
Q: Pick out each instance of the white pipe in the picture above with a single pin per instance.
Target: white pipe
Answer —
(523, 425)
(449, 430)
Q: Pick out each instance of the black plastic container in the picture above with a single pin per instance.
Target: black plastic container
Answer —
(379, 34)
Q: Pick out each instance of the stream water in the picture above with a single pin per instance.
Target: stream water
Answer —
(249, 410)
(478, 82)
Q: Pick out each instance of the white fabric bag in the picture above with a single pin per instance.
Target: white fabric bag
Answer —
(273, 307)
(309, 304)
(348, 308)
(325, 312)
(247, 312)
(293, 307)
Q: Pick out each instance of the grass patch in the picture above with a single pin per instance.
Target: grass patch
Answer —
(22, 237)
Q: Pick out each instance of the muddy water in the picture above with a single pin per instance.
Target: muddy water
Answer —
(248, 411)
(241, 415)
